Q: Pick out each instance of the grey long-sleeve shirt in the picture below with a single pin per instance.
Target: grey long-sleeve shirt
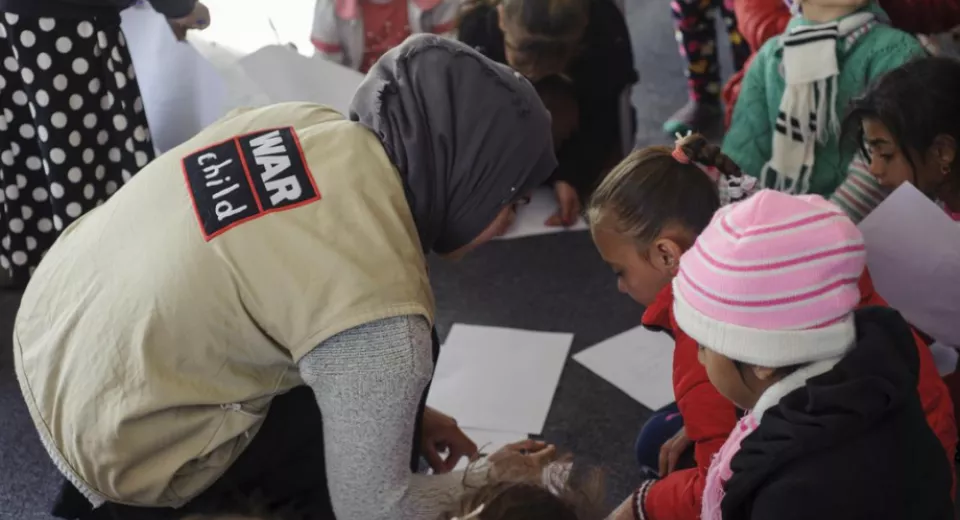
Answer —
(369, 381)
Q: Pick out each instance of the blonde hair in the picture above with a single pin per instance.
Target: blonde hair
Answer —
(516, 493)
(651, 190)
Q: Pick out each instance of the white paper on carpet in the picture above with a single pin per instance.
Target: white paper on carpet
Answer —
(639, 362)
(499, 379)
(531, 218)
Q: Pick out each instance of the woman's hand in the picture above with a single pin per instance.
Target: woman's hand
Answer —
(440, 433)
(569, 202)
(671, 451)
(198, 19)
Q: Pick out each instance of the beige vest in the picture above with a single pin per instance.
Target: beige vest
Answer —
(158, 328)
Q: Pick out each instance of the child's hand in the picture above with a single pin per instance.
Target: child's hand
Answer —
(522, 459)
(671, 451)
(198, 19)
(569, 202)
(537, 450)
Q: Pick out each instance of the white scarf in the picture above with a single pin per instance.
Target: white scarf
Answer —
(808, 111)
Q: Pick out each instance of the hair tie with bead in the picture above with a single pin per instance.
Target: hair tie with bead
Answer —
(681, 156)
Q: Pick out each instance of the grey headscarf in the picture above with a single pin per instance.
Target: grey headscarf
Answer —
(468, 135)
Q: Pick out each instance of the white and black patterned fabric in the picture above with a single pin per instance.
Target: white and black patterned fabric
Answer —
(73, 128)
(808, 107)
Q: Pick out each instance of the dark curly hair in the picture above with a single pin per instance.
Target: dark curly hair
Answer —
(916, 102)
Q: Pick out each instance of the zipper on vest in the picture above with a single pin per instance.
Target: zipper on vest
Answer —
(237, 407)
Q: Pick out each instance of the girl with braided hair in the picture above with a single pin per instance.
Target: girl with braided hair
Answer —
(645, 214)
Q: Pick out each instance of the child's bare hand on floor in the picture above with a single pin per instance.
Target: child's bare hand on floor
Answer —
(569, 202)
(522, 459)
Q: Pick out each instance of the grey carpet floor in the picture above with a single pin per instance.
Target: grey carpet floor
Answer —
(550, 283)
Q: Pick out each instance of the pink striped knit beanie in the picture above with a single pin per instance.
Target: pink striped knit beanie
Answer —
(772, 281)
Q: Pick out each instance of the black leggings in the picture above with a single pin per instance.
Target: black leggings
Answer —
(282, 473)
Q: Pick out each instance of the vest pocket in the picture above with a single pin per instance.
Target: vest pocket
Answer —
(238, 425)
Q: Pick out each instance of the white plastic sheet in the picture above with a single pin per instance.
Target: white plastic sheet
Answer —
(913, 252)
(254, 53)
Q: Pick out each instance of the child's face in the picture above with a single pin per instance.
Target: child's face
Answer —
(641, 272)
(891, 167)
(742, 386)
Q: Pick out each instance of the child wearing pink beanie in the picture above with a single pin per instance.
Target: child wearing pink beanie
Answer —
(835, 428)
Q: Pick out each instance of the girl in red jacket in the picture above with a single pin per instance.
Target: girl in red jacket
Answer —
(643, 217)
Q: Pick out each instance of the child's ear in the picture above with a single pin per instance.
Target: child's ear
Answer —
(665, 255)
(945, 146)
(763, 373)
(500, 17)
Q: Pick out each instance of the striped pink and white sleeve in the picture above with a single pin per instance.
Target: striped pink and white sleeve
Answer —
(860, 193)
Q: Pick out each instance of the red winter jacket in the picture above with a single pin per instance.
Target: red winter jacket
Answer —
(760, 20)
(708, 417)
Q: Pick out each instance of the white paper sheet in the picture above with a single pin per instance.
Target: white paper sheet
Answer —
(913, 252)
(248, 25)
(498, 379)
(638, 361)
(270, 45)
(188, 86)
(282, 75)
(945, 358)
(182, 92)
(531, 217)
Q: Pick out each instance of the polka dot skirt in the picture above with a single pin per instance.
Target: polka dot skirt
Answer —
(72, 131)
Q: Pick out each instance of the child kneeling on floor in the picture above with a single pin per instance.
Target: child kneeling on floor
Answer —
(834, 427)
(644, 216)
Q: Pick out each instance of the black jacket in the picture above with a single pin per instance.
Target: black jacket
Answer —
(852, 444)
(91, 8)
(600, 74)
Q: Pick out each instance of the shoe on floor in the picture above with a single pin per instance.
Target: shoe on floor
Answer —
(693, 117)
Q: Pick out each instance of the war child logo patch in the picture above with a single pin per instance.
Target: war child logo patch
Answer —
(246, 177)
